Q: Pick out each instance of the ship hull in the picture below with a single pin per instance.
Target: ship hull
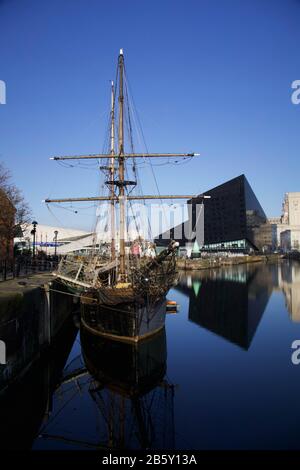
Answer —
(128, 322)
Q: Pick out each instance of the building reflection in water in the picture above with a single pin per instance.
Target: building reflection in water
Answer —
(288, 281)
(123, 386)
(230, 301)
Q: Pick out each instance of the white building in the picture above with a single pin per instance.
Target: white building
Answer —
(69, 240)
(287, 227)
(45, 238)
(291, 209)
(290, 239)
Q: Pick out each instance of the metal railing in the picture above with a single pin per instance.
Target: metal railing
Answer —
(11, 269)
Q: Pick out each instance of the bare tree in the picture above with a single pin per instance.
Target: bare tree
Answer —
(14, 211)
(23, 212)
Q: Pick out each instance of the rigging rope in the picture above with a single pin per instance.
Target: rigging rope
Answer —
(140, 132)
(134, 164)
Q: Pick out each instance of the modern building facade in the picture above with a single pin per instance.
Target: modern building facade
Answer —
(233, 220)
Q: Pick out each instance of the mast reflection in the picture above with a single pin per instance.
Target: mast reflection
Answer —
(134, 400)
(112, 395)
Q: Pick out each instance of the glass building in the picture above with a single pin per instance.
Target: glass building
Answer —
(233, 220)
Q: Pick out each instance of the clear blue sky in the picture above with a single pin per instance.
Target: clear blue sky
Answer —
(207, 76)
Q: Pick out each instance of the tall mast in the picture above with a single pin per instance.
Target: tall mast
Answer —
(112, 172)
(121, 168)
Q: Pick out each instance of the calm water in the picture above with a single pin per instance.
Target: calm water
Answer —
(219, 377)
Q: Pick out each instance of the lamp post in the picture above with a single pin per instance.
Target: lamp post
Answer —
(33, 233)
(55, 241)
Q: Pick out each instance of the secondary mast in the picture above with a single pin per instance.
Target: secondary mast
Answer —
(112, 172)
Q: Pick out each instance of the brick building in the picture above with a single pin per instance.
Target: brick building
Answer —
(7, 226)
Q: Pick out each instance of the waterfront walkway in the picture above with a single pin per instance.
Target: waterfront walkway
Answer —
(14, 291)
(22, 267)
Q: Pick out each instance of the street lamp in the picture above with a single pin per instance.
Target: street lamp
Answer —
(55, 240)
(33, 232)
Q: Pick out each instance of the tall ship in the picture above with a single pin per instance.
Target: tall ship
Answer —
(122, 284)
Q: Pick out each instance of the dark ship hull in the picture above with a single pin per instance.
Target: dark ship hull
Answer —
(128, 322)
(134, 311)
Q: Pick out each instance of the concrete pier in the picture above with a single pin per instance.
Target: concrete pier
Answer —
(33, 310)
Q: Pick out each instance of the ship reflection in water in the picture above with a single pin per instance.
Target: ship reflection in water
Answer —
(135, 402)
(127, 402)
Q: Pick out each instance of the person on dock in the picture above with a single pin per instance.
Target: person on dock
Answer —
(135, 249)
